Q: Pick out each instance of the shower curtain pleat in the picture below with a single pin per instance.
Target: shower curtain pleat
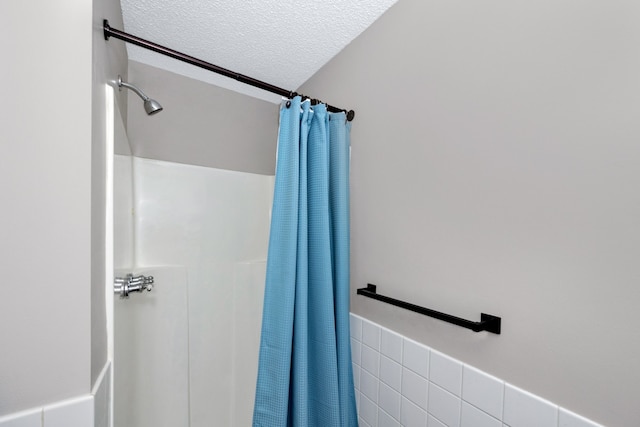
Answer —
(305, 374)
(339, 131)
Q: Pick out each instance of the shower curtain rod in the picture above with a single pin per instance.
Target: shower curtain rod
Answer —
(129, 38)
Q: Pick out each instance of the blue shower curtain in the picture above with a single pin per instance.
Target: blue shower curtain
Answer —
(305, 375)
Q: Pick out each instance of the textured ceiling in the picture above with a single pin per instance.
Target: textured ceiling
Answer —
(282, 42)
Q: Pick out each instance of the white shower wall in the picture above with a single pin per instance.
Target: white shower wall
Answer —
(122, 212)
(213, 226)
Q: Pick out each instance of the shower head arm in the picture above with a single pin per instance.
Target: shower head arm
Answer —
(151, 106)
(133, 88)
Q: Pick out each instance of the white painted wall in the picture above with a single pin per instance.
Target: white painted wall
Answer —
(495, 169)
(109, 58)
(123, 213)
(52, 180)
(201, 124)
(45, 185)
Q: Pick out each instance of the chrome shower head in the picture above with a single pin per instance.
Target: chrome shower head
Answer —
(151, 106)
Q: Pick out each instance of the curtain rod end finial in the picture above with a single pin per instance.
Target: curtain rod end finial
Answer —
(351, 115)
(106, 29)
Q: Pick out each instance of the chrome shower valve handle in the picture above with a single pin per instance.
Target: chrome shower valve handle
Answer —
(142, 282)
(125, 285)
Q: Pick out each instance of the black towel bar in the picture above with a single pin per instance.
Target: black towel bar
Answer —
(487, 322)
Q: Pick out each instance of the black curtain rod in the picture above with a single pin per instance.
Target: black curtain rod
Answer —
(129, 38)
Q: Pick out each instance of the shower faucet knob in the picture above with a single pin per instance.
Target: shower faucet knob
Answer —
(148, 281)
(125, 285)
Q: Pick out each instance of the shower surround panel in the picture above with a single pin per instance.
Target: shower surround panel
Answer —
(203, 233)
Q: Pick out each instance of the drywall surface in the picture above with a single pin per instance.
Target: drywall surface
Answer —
(45, 184)
(109, 59)
(201, 124)
(495, 155)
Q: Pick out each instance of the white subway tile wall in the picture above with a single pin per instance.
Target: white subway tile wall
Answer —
(356, 350)
(412, 415)
(446, 372)
(391, 373)
(569, 419)
(415, 388)
(385, 420)
(371, 335)
(389, 401)
(369, 385)
(77, 412)
(71, 413)
(370, 360)
(368, 411)
(416, 357)
(483, 391)
(444, 406)
(356, 328)
(31, 418)
(391, 345)
(474, 417)
(90, 410)
(523, 409)
(402, 383)
(434, 422)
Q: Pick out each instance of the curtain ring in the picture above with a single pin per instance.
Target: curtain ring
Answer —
(288, 104)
